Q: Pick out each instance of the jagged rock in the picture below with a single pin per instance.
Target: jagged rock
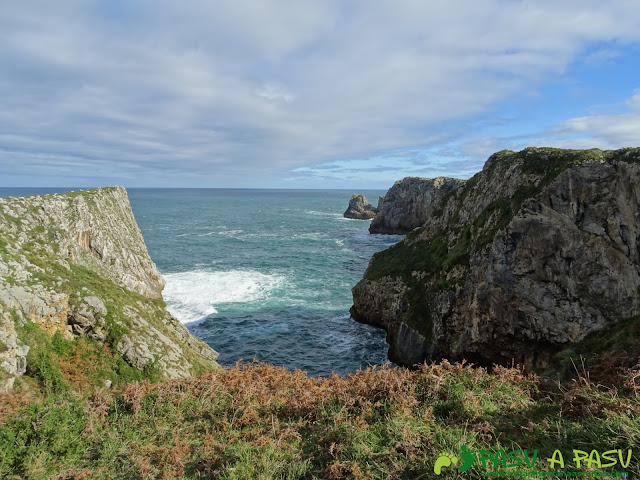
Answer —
(410, 203)
(136, 355)
(77, 264)
(537, 251)
(46, 308)
(359, 208)
(13, 354)
(88, 319)
(96, 304)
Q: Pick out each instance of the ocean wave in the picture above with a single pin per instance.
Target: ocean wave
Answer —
(193, 296)
(322, 214)
(223, 233)
(307, 236)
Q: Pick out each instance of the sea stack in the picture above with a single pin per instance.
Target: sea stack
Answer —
(360, 208)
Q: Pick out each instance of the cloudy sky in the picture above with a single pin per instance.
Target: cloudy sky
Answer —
(305, 93)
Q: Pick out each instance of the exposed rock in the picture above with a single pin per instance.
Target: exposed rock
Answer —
(95, 229)
(13, 354)
(76, 264)
(135, 354)
(359, 208)
(46, 308)
(538, 250)
(410, 203)
(88, 319)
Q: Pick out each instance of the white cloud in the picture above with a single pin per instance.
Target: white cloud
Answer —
(224, 90)
(273, 91)
(634, 102)
(606, 131)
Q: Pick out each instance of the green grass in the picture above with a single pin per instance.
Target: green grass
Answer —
(87, 363)
(617, 345)
(259, 421)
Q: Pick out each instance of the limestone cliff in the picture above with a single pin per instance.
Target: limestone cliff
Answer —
(76, 264)
(536, 251)
(359, 208)
(410, 203)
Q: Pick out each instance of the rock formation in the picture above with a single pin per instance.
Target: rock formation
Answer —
(76, 264)
(536, 251)
(410, 203)
(359, 208)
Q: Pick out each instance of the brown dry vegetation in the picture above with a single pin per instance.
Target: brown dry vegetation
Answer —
(264, 422)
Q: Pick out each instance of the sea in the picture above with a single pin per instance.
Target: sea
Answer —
(262, 275)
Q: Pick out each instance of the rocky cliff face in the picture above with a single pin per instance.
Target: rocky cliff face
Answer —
(359, 208)
(411, 202)
(535, 252)
(76, 265)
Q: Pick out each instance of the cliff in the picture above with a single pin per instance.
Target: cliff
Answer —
(535, 252)
(411, 202)
(76, 266)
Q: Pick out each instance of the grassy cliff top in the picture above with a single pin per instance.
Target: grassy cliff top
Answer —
(259, 421)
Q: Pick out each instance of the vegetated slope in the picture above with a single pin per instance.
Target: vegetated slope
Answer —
(259, 421)
(263, 422)
(75, 275)
(537, 251)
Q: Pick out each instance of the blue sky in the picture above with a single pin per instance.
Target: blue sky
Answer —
(306, 94)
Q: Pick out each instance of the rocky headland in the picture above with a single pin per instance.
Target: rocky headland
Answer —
(411, 202)
(82, 412)
(75, 266)
(538, 251)
(359, 208)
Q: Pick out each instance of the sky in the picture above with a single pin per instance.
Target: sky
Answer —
(306, 93)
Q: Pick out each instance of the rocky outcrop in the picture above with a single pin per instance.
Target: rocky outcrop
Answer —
(535, 252)
(76, 264)
(13, 353)
(359, 208)
(410, 203)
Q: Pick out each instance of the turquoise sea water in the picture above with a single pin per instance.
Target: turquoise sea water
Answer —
(264, 274)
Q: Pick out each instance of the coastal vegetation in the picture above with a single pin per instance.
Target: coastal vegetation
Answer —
(257, 421)
(100, 381)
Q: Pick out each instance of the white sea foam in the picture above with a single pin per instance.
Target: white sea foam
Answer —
(223, 233)
(322, 214)
(192, 296)
(307, 236)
